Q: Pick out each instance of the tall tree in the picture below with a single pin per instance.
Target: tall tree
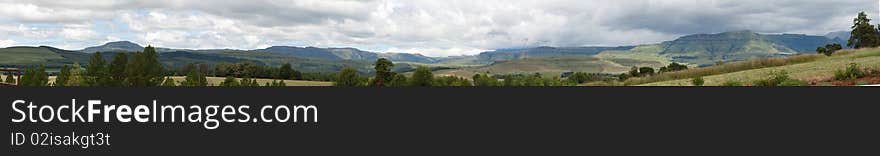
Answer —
(195, 79)
(863, 35)
(117, 70)
(144, 69)
(76, 77)
(398, 80)
(96, 71)
(229, 82)
(35, 77)
(285, 72)
(248, 82)
(383, 72)
(348, 77)
(422, 77)
(187, 68)
(276, 83)
(63, 76)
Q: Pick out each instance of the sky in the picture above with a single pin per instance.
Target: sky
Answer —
(428, 27)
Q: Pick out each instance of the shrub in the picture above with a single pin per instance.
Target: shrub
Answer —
(348, 77)
(731, 83)
(793, 83)
(698, 81)
(829, 49)
(776, 78)
(852, 71)
(646, 71)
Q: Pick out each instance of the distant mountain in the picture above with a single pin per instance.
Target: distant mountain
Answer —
(347, 54)
(53, 57)
(323, 53)
(695, 50)
(840, 36)
(706, 49)
(115, 46)
(124, 46)
(408, 57)
(537, 52)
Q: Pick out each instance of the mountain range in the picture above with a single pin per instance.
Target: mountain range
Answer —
(695, 50)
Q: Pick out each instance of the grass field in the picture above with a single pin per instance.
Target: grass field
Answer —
(214, 81)
(819, 69)
(641, 56)
(553, 65)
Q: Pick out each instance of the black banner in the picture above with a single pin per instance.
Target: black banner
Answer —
(459, 121)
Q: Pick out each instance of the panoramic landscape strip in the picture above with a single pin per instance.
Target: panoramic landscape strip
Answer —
(737, 58)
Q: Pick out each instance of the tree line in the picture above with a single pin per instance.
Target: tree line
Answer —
(424, 77)
(649, 71)
(143, 69)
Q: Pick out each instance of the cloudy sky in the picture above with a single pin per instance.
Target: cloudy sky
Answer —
(429, 27)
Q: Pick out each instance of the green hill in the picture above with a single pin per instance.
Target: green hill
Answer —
(27, 55)
(710, 49)
(486, 58)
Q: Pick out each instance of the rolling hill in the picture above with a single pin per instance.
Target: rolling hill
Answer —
(695, 50)
(707, 49)
(552, 65)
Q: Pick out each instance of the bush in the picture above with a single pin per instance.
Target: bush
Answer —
(422, 77)
(731, 83)
(780, 78)
(698, 81)
(348, 77)
(793, 83)
(852, 71)
(829, 49)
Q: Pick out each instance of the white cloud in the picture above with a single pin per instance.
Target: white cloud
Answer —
(430, 27)
(79, 32)
(7, 43)
(28, 12)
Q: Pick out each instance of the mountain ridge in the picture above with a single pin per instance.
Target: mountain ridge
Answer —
(696, 49)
